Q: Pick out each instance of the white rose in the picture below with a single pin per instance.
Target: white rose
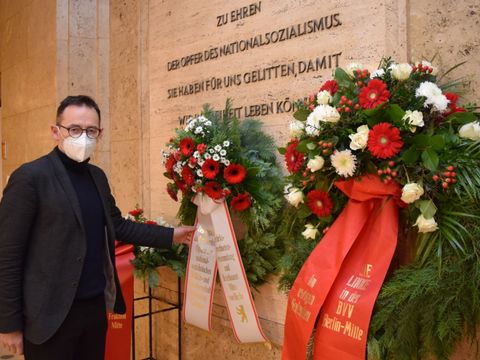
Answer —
(470, 131)
(316, 163)
(426, 225)
(411, 192)
(414, 119)
(352, 67)
(402, 72)
(360, 138)
(295, 196)
(324, 97)
(296, 128)
(310, 232)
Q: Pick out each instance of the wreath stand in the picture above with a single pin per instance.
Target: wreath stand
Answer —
(150, 298)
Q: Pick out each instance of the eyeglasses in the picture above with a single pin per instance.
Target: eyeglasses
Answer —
(77, 131)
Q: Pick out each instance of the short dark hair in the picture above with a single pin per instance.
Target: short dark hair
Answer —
(77, 100)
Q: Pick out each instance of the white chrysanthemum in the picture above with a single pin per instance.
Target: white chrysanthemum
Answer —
(200, 162)
(324, 97)
(414, 119)
(226, 162)
(322, 113)
(223, 152)
(226, 143)
(360, 138)
(402, 71)
(216, 157)
(211, 151)
(208, 123)
(199, 173)
(344, 162)
(352, 67)
(217, 148)
(296, 128)
(433, 95)
(198, 130)
(207, 156)
(196, 154)
(377, 73)
(470, 131)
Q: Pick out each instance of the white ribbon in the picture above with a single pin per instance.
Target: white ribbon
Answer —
(214, 246)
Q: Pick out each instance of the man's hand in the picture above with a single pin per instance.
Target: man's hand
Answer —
(12, 342)
(183, 234)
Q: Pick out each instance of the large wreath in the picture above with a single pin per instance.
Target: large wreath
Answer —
(400, 125)
(225, 158)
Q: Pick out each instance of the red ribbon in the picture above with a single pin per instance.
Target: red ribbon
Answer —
(120, 325)
(339, 282)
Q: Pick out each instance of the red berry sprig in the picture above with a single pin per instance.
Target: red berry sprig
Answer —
(388, 172)
(446, 178)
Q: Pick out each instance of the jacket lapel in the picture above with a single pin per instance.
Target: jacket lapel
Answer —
(65, 182)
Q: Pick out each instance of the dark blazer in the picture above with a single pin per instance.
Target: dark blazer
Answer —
(42, 246)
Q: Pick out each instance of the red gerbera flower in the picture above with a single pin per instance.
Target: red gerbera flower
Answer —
(172, 191)
(214, 190)
(373, 94)
(331, 86)
(169, 164)
(187, 146)
(234, 173)
(319, 203)
(452, 105)
(293, 158)
(210, 168)
(241, 202)
(384, 140)
(187, 176)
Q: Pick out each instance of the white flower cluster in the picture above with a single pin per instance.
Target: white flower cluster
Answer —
(433, 95)
(165, 156)
(199, 125)
(217, 153)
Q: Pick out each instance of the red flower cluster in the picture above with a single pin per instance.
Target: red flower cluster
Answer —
(210, 169)
(319, 203)
(384, 141)
(169, 164)
(136, 212)
(234, 173)
(374, 94)
(187, 176)
(331, 86)
(293, 158)
(241, 202)
(214, 190)
(187, 146)
(452, 105)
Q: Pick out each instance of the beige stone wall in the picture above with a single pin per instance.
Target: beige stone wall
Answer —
(27, 48)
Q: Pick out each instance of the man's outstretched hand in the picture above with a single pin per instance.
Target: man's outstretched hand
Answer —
(183, 234)
(12, 342)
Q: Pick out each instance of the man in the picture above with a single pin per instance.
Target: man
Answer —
(58, 225)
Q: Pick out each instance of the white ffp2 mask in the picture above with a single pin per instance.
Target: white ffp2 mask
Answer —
(79, 149)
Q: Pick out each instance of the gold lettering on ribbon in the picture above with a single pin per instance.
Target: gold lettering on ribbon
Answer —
(302, 312)
(241, 312)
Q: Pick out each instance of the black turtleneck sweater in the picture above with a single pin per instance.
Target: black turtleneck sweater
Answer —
(92, 281)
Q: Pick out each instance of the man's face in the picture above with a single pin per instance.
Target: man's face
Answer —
(81, 116)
